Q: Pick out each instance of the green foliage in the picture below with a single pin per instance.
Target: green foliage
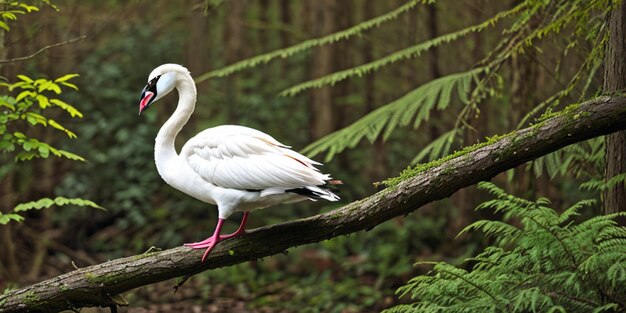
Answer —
(542, 261)
(355, 30)
(436, 148)
(25, 110)
(583, 160)
(407, 53)
(32, 99)
(43, 203)
(523, 33)
(10, 10)
(419, 168)
(414, 107)
(602, 185)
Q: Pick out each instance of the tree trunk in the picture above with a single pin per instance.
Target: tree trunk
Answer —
(323, 22)
(378, 148)
(101, 284)
(9, 269)
(233, 46)
(433, 32)
(285, 20)
(615, 80)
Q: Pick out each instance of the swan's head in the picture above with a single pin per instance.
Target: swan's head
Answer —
(161, 81)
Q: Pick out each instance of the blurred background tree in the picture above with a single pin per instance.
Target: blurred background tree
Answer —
(337, 78)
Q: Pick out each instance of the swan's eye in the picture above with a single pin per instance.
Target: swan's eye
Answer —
(154, 80)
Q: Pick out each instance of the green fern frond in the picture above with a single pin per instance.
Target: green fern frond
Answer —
(45, 203)
(404, 54)
(492, 228)
(437, 148)
(413, 107)
(574, 209)
(311, 43)
(601, 185)
(550, 264)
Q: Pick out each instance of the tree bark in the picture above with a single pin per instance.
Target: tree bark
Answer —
(378, 147)
(323, 22)
(100, 285)
(614, 80)
(234, 38)
(433, 32)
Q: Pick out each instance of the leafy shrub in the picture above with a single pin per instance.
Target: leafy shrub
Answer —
(27, 109)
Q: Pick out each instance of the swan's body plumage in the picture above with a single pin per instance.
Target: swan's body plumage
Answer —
(235, 167)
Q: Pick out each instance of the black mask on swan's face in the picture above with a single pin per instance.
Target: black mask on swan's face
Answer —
(149, 94)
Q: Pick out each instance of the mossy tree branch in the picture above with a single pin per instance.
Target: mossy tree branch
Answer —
(100, 285)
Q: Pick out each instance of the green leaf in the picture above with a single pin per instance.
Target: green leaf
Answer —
(28, 145)
(45, 203)
(43, 101)
(26, 156)
(24, 94)
(25, 78)
(65, 78)
(69, 85)
(4, 26)
(67, 107)
(7, 146)
(70, 155)
(58, 126)
(29, 8)
(6, 104)
(44, 150)
(34, 118)
(6, 218)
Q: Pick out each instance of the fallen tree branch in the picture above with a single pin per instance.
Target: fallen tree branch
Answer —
(101, 285)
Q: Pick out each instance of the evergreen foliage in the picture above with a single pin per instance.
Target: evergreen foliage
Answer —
(413, 108)
(583, 160)
(529, 22)
(355, 30)
(584, 18)
(541, 261)
(407, 53)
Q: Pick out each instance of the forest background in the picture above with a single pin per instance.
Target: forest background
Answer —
(113, 45)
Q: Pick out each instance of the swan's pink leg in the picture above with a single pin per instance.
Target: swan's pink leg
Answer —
(241, 229)
(210, 242)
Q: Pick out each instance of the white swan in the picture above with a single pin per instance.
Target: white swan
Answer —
(235, 167)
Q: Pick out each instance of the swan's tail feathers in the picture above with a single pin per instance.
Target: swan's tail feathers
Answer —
(315, 193)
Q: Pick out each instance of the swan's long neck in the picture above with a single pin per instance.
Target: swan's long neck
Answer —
(164, 149)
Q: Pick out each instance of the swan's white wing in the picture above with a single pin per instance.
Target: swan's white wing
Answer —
(243, 158)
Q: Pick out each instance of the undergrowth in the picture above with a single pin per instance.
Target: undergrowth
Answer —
(541, 261)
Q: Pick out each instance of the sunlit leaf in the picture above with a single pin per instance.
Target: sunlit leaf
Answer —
(67, 107)
(65, 78)
(58, 126)
(6, 218)
(25, 78)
